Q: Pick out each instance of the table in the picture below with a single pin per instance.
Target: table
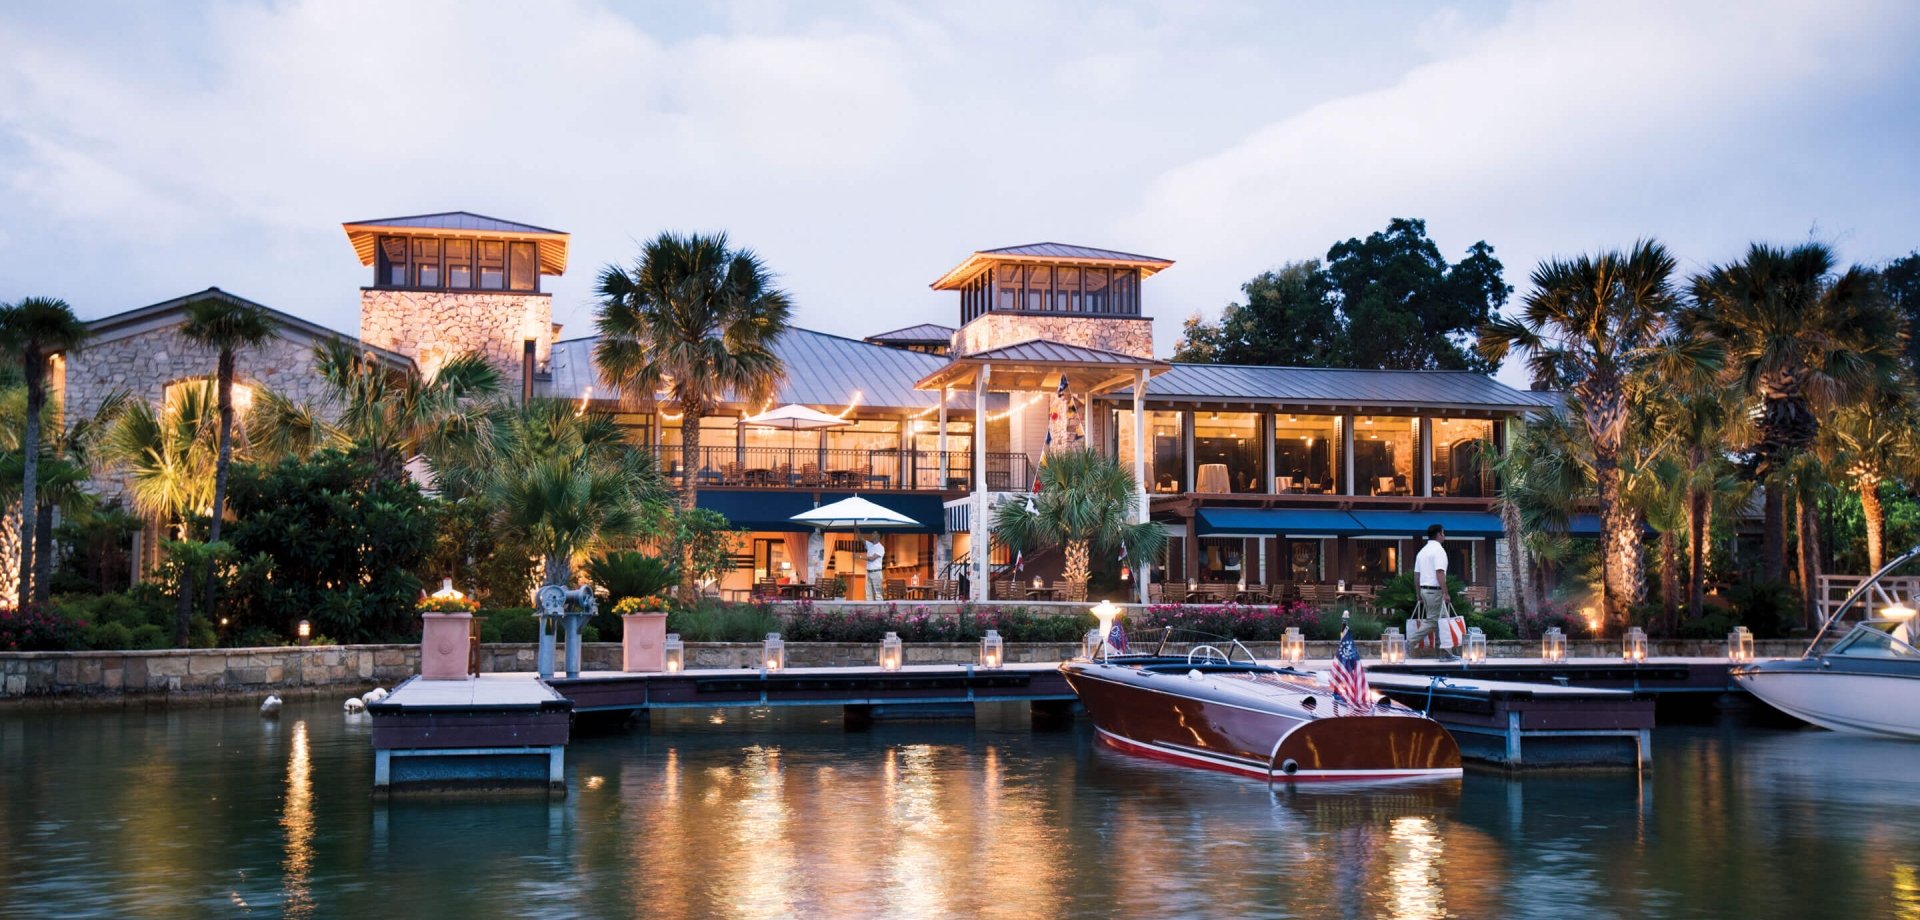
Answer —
(797, 592)
(920, 593)
(1213, 478)
(1043, 594)
(846, 477)
(1253, 596)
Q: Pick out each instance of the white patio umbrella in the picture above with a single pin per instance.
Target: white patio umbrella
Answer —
(795, 417)
(856, 513)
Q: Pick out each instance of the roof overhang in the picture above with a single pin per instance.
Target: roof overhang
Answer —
(966, 271)
(552, 245)
(168, 313)
(1098, 372)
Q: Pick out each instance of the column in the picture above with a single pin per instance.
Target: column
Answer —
(1346, 453)
(1143, 566)
(977, 520)
(1269, 430)
(1425, 450)
(943, 435)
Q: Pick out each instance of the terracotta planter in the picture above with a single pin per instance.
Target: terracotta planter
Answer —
(444, 641)
(643, 643)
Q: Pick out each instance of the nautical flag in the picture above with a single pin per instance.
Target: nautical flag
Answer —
(1349, 679)
(1019, 560)
(1117, 640)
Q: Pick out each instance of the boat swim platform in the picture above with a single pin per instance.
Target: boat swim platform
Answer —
(1525, 726)
(1661, 677)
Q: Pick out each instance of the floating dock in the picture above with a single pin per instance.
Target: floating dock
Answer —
(1654, 676)
(1520, 725)
(492, 731)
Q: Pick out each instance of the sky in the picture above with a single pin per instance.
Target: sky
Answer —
(864, 148)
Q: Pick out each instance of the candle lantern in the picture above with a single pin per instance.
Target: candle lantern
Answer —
(992, 650)
(891, 654)
(1293, 646)
(1393, 646)
(1037, 583)
(1476, 650)
(306, 631)
(1634, 647)
(773, 652)
(1553, 645)
(676, 653)
(1740, 645)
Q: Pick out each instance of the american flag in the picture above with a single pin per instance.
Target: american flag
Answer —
(1117, 640)
(1349, 679)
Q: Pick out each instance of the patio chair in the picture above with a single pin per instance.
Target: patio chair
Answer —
(894, 589)
(1071, 591)
(810, 475)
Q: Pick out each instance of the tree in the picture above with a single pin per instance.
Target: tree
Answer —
(36, 329)
(565, 483)
(1599, 327)
(1290, 318)
(168, 456)
(1388, 301)
(697, 321)
(1901, 278)
(394, 415)
(1087, 502)
(1800, 340)
(1873, 441)
(227, 325)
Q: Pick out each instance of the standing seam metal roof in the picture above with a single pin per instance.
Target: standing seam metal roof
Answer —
(1049, 351)
(1335, 386)
(454, 220)
(1069, 251)
(925, 332)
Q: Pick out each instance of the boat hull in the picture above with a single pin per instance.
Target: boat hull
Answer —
(1167, 718)
(1839, 695)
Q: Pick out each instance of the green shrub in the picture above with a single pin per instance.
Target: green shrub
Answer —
(1495, 626)
(715, 621)
(108, 636)
(512, 624)
(1365, 626)
(1396, 596)
(150, 636)
(1768, 608)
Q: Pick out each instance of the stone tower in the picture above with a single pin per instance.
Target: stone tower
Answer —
(455, 282)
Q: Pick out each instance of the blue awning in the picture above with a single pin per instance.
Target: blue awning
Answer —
(1415, 523)
(770, 509)
(1271, 522)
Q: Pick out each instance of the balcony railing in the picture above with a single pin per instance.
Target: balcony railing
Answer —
(851, 470)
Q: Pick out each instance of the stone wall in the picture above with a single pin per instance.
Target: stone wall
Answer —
(1126, 335)
(432, 326)
(144, 363)
(210, 673)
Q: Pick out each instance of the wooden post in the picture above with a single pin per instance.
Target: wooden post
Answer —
(977, 529)
(943, 436)
(1143, 566)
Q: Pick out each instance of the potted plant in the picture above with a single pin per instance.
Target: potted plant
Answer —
(446, 635)
(643, 628)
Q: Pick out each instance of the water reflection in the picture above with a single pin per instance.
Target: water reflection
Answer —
(1415, 872)
(296, 820)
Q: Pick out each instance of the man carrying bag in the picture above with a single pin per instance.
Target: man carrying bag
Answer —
(1433, 622)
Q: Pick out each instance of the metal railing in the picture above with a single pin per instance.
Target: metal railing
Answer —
(866, 470)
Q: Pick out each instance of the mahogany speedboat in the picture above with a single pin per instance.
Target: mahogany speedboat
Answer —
(1208, 709)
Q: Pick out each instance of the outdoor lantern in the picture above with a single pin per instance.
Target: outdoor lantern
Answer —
(448, 591)
(890, 652)
(305, 630)
(1393, 646)
(992, 650)
(1037, 583)
(1293, 646)
(1740, 645)
(676, 652)
(1476, 651)
(1192, 586)
(1105, 611)
(1634, 648)
(774, 652)
(1553, 645)
(1897, 611)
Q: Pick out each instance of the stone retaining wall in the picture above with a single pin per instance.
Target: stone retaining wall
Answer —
(211, 672)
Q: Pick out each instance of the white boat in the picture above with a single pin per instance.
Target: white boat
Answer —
(1867, 683)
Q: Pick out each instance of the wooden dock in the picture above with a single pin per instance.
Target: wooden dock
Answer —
(488, 731)
(1656, 676)
(1530, 725)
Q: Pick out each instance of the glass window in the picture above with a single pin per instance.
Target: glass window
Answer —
(1384, 448)
(1222, 559)
(1228, 454)
(1306, 454)
(459, 260)
(1009, 279)
(1094, 282)
(1305, 563)
(1166, 456)
(1066, 289)
(1459, 560)
(1123, 286)
(1462, 449)
(493, 265)
(1039, 287)
(1376, 561)
(719, 446)
(393, 261)
(426, 263)
(524, 269)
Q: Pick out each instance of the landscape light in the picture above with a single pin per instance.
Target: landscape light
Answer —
(305, 630)
(1897, 611)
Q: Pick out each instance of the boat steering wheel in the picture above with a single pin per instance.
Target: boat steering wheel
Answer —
(1212, 654)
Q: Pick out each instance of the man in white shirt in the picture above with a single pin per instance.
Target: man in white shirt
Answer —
(876, 565)
(1430, 590)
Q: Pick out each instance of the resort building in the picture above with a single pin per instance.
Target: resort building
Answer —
(1284, 478)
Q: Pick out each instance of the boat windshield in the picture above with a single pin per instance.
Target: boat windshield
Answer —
(1878, 639)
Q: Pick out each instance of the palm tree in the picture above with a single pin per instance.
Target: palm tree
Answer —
(1087, 502)
(696, 321)
(1874, 441)
(168, 458)
(395, 415)
(36, 329)
(226, 324)
(1545, 474)
(1599, 326)
(566, 483)
(1800, 341)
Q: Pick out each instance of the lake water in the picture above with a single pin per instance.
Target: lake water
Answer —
(206, 812)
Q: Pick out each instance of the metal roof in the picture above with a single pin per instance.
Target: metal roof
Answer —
(1046, 252)
(1038, 364)
(1051, 352)
(925, 333)
(823, 371)
(172, 312)
(1309, 386)
(552, 244)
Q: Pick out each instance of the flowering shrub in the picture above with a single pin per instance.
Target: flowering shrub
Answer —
(38, 631)
(1246, 622)
(913, 623)
(652, 603)
(432, 604)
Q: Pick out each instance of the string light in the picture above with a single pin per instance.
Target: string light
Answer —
(851, 403)
(586, 393)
